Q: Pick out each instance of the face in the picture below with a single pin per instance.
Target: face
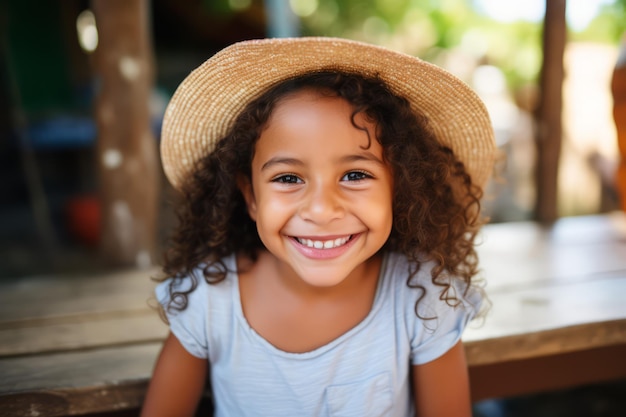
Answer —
(320, 196)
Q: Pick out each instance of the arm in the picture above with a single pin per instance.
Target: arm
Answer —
(441, 387)
(177, 383)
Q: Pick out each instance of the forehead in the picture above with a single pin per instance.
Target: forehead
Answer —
(316, 122)
(321, 106)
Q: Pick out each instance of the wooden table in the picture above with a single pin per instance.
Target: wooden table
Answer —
(72, 345)
(559, 306)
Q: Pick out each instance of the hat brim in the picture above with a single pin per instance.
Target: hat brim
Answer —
(205, 105)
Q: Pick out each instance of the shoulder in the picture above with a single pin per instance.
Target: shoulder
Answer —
(412, 281)
(196, 310)
(433, 325)
(420, 304)
(409, 280)
(193, 289)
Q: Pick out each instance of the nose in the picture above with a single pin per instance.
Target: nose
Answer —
(322, 204)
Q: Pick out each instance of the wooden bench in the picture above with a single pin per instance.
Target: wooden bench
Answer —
(73, 345)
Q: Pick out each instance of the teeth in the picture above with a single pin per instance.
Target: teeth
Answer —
(326, 244)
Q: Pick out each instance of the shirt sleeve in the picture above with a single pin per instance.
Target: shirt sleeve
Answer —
(189, 325)
(443, 325)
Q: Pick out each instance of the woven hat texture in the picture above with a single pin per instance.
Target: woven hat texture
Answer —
(207, 102)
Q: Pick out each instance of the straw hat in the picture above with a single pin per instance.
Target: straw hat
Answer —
(207, 102)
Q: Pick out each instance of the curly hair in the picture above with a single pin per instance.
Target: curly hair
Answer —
(435, 204)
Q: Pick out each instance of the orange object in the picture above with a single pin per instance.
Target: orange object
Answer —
(83, 219)
(618, 89)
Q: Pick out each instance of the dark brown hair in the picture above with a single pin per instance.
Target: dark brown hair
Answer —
(435, 204)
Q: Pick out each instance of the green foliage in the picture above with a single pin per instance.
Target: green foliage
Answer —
(217, 7)
(608, 26)
(432, 28)
(619, 13)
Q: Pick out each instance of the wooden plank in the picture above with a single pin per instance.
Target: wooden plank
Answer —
(55, 313)
(545, 320)
(582, 231)
(76, 383)
(574, 249)
(55, 296)
(570, 231)
(543, 307)
(75, 402)
(547, 265)
(589, 229)
(81, 332)
(546, 373)
(496, 350)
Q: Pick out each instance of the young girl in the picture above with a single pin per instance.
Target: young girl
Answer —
(324, 261)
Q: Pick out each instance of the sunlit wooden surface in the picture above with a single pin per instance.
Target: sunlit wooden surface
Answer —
(553, 289)
(558, 316)
(83, 344)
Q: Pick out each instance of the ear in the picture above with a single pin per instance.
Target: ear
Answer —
(245, 186)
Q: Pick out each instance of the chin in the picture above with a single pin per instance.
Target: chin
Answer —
(323, 277)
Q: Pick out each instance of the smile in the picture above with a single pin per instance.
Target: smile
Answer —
(324, 244)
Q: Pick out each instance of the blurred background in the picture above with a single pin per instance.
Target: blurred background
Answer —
(54, 194)
(84, 84)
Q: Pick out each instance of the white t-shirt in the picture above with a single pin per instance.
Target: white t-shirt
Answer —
(365, 372)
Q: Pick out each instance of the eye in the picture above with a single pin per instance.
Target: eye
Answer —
(356, 176)
(287, 179)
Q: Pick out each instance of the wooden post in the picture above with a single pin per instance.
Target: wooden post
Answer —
(549, 111)
(126, 150)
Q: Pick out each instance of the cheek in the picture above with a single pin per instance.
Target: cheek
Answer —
(377, 210)
(273, 210)
(386, 216)
(385, 209)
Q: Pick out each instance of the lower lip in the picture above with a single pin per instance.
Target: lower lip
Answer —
(314, 253)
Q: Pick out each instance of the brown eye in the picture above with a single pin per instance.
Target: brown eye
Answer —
(356, 176)
(287, 179)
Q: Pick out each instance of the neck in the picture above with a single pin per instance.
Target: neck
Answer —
(364, 276)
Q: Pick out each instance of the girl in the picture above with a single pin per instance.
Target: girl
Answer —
(324, 261)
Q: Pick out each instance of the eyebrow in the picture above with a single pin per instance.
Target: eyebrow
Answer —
(365, 156)
(279, 160)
